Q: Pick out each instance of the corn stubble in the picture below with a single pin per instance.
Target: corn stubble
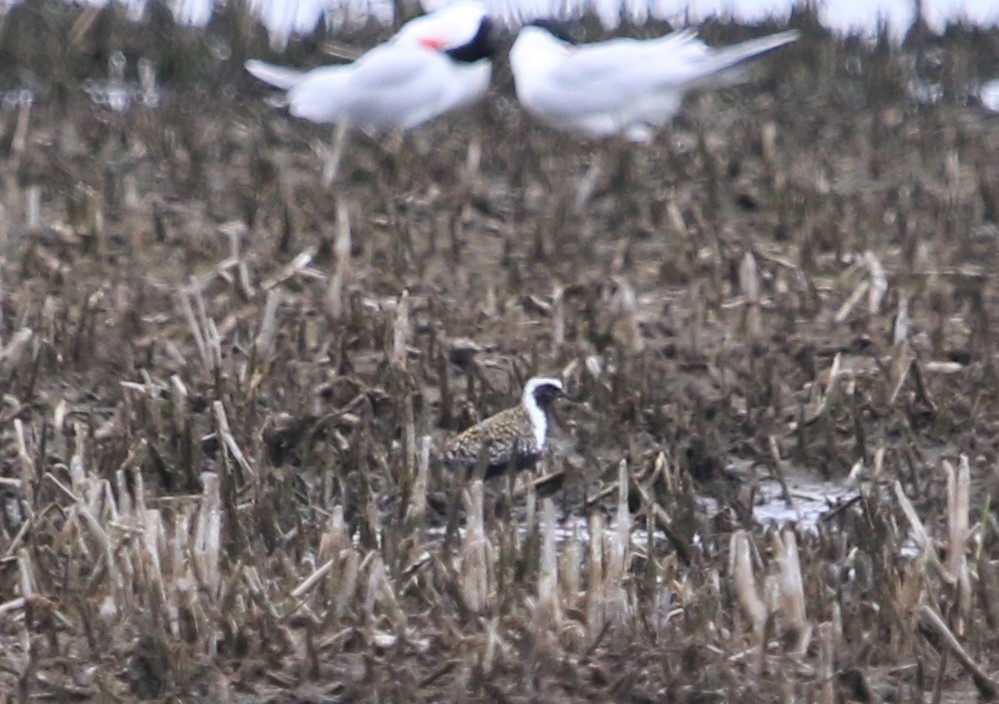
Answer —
(224, 388)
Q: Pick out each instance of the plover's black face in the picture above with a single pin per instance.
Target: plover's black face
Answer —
(557, 28)
(545, 395)
(482, 46)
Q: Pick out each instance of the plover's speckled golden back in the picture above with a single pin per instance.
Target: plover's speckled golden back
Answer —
(513, 439)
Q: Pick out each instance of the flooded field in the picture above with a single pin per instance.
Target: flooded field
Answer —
(224, 385)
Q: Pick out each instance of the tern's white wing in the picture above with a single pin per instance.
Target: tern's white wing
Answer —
(399, 84)
(403, 87)
(391, 87)
(318, 95)
(622, 85)
(677, 60)
(592, 89)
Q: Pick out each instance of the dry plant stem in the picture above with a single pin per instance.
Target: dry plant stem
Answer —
(401, 331)
(20, 138)
(902, 361)
(572, 560)
(618, 541)
(588, 183)
(268, 326)
(209, 331)
(958, 509)
(196, 331)
(83, 24)
(626, 303)
(473, 158)
(792, 591)
(558, 320)
(27, 467)
(348, 582)
(312, 580)
(334, 538)
(548, 614)
(749, 283)
(26, 573)
(852, 300)
(152, 538)
(879, 282)
(229, 440)
(900, 330)
(664, 523)
(17, 604)
(919, 533)
(475, 550)
(779, 471)
(207, 536)
(15, 350)
(300, 266)
(334, 155)
(595, 598)
(768, 140)
(336, 293)
(827, 682)
(20, 535)
(416, 511)
(741, 569)
(832, 387)
(987, 689)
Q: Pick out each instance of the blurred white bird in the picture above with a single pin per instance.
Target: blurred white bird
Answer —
(434, 64)
(622, 87)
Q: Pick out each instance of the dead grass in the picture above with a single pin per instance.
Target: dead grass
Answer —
(222, 384)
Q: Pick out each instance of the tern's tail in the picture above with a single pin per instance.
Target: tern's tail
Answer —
(277, 76)
(732, 55)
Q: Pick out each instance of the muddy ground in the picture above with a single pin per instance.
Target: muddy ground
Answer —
(217, 375)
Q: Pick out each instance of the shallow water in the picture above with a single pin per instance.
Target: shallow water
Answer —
(808, 501)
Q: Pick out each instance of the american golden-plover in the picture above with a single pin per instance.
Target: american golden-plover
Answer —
(511, 440)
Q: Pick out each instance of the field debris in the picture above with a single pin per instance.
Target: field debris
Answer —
(224, 387)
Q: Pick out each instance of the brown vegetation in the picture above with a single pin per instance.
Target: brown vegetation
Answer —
(222, 386)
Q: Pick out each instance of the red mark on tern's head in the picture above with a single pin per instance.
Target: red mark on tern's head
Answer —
(435, 43)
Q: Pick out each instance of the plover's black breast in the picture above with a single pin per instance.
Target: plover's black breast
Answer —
(506, 441)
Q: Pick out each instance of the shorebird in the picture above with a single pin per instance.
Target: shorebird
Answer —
(622, 88)
(433, 65)
(511, 440)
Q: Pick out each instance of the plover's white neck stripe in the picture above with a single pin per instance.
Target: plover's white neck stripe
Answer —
(539, 419)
